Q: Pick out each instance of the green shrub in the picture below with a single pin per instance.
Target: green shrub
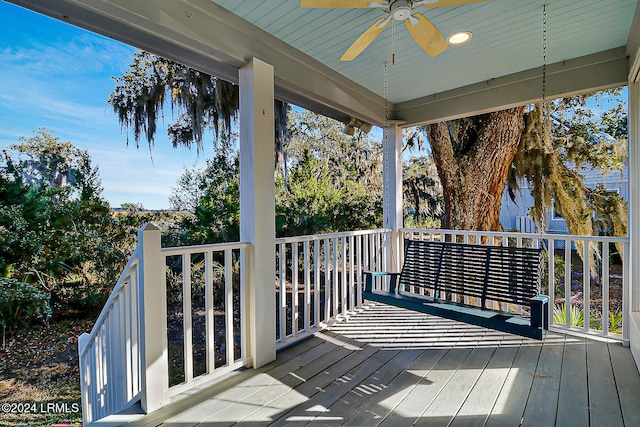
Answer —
(615, 322)
(560, 315)
(595, 322)
(21, 304)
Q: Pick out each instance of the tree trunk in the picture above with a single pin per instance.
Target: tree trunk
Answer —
(473, 157)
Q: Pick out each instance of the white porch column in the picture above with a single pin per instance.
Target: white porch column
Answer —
(257, 206)
(155, 361)
(393, 213)
(634, 217)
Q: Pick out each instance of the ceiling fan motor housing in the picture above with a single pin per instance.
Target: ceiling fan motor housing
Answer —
(400, 9)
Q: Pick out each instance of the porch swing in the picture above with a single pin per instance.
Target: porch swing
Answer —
(449, 275)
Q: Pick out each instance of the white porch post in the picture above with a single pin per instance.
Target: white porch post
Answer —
(257, 206)
(392, 194)
(634, 217)
(155, 363)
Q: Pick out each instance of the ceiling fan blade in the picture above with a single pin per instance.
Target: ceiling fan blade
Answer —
(364, 40)
(335, 4)
(428, 37)
(448, 3)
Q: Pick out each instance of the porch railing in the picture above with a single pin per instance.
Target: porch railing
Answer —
(319, 278)
(589, 293)
(205, 312)
(193, 301)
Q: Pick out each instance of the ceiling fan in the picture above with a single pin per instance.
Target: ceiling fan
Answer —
(426, 35)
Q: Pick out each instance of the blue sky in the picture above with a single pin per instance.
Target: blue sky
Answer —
(58, 76)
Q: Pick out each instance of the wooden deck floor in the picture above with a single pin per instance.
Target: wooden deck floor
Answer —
(392, 367)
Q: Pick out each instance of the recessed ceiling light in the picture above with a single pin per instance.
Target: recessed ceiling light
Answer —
(459, 37)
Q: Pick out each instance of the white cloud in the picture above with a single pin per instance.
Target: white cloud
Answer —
(38, 102)
(86, 54)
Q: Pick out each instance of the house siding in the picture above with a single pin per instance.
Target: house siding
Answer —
(513, 215)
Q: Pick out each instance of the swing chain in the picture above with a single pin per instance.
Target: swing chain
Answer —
(386, 155)
(545, 110)
(544, 54)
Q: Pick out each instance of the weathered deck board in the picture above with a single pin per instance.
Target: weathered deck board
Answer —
(318, 405)
(428, 389)
(255, 383)
(512, 401)
(542, 404)
(481, 399)
(340, 412)
(573, 400)
(627, 383)
(400, 405)
(445, 406)
(312, 386)
(603, 395)
(183, 413)
(387, 366)
(282, 385)
(373, 412)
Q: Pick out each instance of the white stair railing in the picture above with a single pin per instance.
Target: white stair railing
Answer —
(112, 358)
(109, 365)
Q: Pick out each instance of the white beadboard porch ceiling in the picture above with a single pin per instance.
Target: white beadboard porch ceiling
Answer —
(507, 38)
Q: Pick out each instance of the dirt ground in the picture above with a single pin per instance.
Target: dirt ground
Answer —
(39, 373)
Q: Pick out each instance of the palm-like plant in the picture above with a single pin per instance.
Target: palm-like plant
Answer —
(560, 315)
(577, 318)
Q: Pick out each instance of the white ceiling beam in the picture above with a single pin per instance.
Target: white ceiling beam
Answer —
(598, 71)
(206, 36)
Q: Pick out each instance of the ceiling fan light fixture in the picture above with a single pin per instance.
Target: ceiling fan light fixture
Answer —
(459, 37)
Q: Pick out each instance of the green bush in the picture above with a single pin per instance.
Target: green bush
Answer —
(21, 304)
(560, 315)
(595, 322)
(615, 322)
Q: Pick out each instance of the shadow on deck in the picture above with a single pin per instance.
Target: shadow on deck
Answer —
(393, 367)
